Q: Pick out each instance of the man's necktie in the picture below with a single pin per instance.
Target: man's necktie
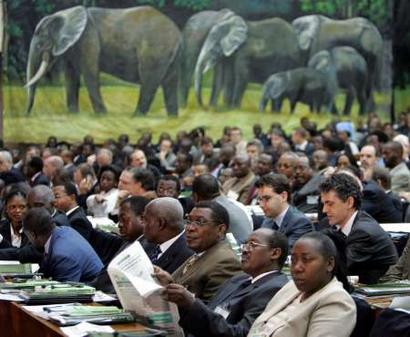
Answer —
(153, 255)
(190, 262)
(275, 226)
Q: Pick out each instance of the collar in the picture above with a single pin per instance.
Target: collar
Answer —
(165, 245)
(71, 210)
(35, 176)
(302, 146)
(347, 228)
(263, 275)
(12, 230)
(47, 244)
(279, 218)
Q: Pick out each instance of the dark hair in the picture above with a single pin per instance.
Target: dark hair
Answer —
(69, 187)
(13, 192)
(205, 186)
(169, 177)
(276, 239)
(325, 245)
(278, 182)
(206, 140)
(38, 220)
(144, 176)
(112, 168)
(137, 204)
(219, 213)
(345, 186)
(383, 175)
(36, 163)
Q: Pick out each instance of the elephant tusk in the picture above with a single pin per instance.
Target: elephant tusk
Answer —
(41, 71)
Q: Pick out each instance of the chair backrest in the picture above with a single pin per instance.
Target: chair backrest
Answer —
(391, 323)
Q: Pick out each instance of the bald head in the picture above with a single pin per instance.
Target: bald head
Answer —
(41, 196)
(163, 219)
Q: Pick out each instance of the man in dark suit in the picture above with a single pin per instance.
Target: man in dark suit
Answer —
(65, 194)
(274, 196)
(242, 298)
(164, 229)
(214, 260)
(67, 256)
(35, 172)
(368, 250)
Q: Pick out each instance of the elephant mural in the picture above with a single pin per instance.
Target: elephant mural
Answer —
(350, 70)
(194, 35)
(305, 85)
(250, 51)
(138, 45)
(317, 32)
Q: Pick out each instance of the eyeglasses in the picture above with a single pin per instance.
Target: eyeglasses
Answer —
(251, 245)
(196, 223)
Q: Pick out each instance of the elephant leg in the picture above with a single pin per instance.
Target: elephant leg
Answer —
(147, 94)
(217, 84)
(293, 104)
(92, 82)
(169, 88)
(72, 83)
(333, 108)
(241, 81)
(276, 104)
(349, 101)
(263, 103)
(362, 98)
(228, 83)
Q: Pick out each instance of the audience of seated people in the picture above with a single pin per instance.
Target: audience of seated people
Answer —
(352, 184)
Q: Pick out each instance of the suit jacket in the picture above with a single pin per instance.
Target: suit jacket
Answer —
(70, 257)
(328, 312)
(294, 225)
(78, 220)
(6, 233)
(174, 256)
(400, 178)
(369, 250)
(241, 186)
(373, 197)
(39, 179)
(210, 270)
(243, 305)
(401, 270)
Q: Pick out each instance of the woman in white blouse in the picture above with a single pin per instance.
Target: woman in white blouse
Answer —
(314, 304)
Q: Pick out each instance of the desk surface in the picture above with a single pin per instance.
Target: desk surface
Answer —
(15, 321)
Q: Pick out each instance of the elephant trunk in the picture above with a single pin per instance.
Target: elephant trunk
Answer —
(199, 70)
(32, 80)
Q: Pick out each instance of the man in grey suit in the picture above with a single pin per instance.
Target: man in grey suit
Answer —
(242, 298)
(274, 196)
(399, 172)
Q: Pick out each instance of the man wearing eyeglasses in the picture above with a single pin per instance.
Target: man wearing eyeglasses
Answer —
(214, 260)
(241, 299)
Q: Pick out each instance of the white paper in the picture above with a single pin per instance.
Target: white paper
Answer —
(401, 302)
(396, 227)
(131, 274)
(10, 297)
(101, 297)
(84, 328)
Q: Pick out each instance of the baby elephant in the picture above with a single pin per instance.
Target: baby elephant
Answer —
(304, 85)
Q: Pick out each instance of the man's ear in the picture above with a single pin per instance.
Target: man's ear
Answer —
(350, 202)
(276, 254)
(331, 264)
(284, 196)
(223, 228)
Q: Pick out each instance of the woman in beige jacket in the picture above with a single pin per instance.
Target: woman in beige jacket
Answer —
(314, 304)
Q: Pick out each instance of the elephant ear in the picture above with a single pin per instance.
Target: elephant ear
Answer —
(320, 61)
(306, 28)
(236, 35)
(276, 85)
(223, 39)
(70, 25)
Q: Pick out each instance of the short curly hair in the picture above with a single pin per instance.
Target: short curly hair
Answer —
(345, 186)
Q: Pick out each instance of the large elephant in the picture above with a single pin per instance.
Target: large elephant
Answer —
(305, 85)
(194, 35)
(350, 69)
(317, 32)
(138, 45)
(249, 51)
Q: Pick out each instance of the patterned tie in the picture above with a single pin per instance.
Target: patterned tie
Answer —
(190, 262)
(275, 226)
(153, 255)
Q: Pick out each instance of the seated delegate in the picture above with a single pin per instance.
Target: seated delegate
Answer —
(314, 304)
